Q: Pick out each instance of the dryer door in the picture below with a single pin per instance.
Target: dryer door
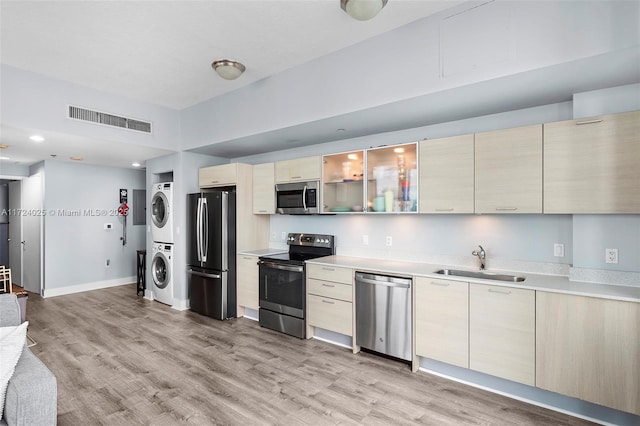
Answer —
(159, 209)
(160, 270)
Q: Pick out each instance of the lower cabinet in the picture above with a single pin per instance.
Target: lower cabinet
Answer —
(247, 281)
(502, 323)
(442, 320)
(329, 299)
(589, 348)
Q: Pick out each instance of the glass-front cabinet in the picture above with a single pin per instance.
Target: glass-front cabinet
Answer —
(378, 180)
(392, 179)
(342, 179)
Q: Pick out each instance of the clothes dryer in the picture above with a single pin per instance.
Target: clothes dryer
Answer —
(162, 212)
(162, 272)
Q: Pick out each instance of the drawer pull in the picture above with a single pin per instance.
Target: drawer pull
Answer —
(328, 285)
(445, 210)
(296, 177)
(215, 181)
(506, 209)
(262, 211)
(493, 290)
(327, 301)
(246, 258)
(328, 269)
(440, 284)
(597, 120)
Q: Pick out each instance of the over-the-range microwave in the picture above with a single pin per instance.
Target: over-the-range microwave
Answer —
(297, 198)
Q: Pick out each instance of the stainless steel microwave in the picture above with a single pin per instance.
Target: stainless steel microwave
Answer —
(297, 198)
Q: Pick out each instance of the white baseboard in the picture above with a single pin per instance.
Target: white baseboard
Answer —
(180, 304)
(96, 285)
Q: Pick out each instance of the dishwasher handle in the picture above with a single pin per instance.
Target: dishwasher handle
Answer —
(398, 282)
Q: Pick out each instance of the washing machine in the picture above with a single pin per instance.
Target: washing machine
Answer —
(162, 272)
(162, 212)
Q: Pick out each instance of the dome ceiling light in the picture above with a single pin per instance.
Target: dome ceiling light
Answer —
(228, 69)
(362, 10)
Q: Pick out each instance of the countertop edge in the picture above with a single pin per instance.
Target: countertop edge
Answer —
(537, 282)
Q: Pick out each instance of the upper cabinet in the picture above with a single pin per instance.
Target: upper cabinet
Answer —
(508, 170)
(264, 199)
(446, 175)
(225, 174)
(298, 170)
(392, 179)
(342, 182)
(592, 165)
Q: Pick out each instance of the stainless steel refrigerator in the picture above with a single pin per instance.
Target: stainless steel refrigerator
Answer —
(211, 253)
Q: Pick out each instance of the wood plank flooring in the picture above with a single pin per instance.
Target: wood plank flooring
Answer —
(122, 360)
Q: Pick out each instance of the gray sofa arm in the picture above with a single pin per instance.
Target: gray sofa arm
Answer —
(32, 394)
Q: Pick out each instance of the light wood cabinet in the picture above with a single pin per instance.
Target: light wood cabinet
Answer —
(502, 332)
(247, 281)
(447, 175)
(298, 169)
(442, 320)
(589, 348)
(264, 198)
(225, 174)
(591, 165)
(508, 170)
(329, 299)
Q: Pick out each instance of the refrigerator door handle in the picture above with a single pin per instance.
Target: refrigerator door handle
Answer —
(205, 230)
(199, 230)
(204, 275)
(225, 234)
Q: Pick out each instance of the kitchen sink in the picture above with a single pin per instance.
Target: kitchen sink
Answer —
(482, 275)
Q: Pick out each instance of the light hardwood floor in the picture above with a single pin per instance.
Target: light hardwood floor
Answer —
(122, 360)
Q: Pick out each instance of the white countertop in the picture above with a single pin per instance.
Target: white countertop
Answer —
(551, 283)
(262, 252)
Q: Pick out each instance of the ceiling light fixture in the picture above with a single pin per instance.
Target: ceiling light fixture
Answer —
(5, 158)
(3, 146)
(362, 10)
(135, 164)
(228, 69)
(76, 158)
(36, 138)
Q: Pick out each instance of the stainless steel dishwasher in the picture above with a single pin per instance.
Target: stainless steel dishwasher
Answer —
(383, 314)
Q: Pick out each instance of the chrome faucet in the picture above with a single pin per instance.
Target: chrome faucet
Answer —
(481, 256)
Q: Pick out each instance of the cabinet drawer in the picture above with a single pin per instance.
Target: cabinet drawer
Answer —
(330, 289)
(330, 273)
(330, 314)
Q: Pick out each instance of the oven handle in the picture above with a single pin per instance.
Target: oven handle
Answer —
(273, 265)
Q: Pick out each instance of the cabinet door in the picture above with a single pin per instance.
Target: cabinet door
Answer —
(508, 170)
(264, 199)
(442, 320)
(299, 169)
(330, 314)
(591, 165)
(342, 182)
(247, 281)
(225, 174)
(589, 348)
(502, 332)
(446, 175)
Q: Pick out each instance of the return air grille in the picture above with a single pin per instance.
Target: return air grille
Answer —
(108, 119)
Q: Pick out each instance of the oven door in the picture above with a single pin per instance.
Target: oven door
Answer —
(297, 198)
(282, 288)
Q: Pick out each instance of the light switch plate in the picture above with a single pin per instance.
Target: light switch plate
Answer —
(558, 250)
(365, 240)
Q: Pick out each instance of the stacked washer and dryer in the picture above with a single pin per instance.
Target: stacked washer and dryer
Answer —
(162, 235)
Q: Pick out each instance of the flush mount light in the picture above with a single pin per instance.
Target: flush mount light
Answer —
(76, 158)
(5, 158)
(362, 10)
(3, 146)
(36, 138)
(135, 164)
(228, 69)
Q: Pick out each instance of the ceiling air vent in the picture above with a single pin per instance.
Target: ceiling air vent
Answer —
(108, 119)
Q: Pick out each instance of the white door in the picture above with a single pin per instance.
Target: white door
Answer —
(32, 234)
(15, 232)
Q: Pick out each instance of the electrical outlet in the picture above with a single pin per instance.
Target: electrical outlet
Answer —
(107, 263)
(558, 250)
(108, 226)
(611, 255)
(365, 240)
(389, 241)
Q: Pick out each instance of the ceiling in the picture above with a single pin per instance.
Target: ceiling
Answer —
(160, 52)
